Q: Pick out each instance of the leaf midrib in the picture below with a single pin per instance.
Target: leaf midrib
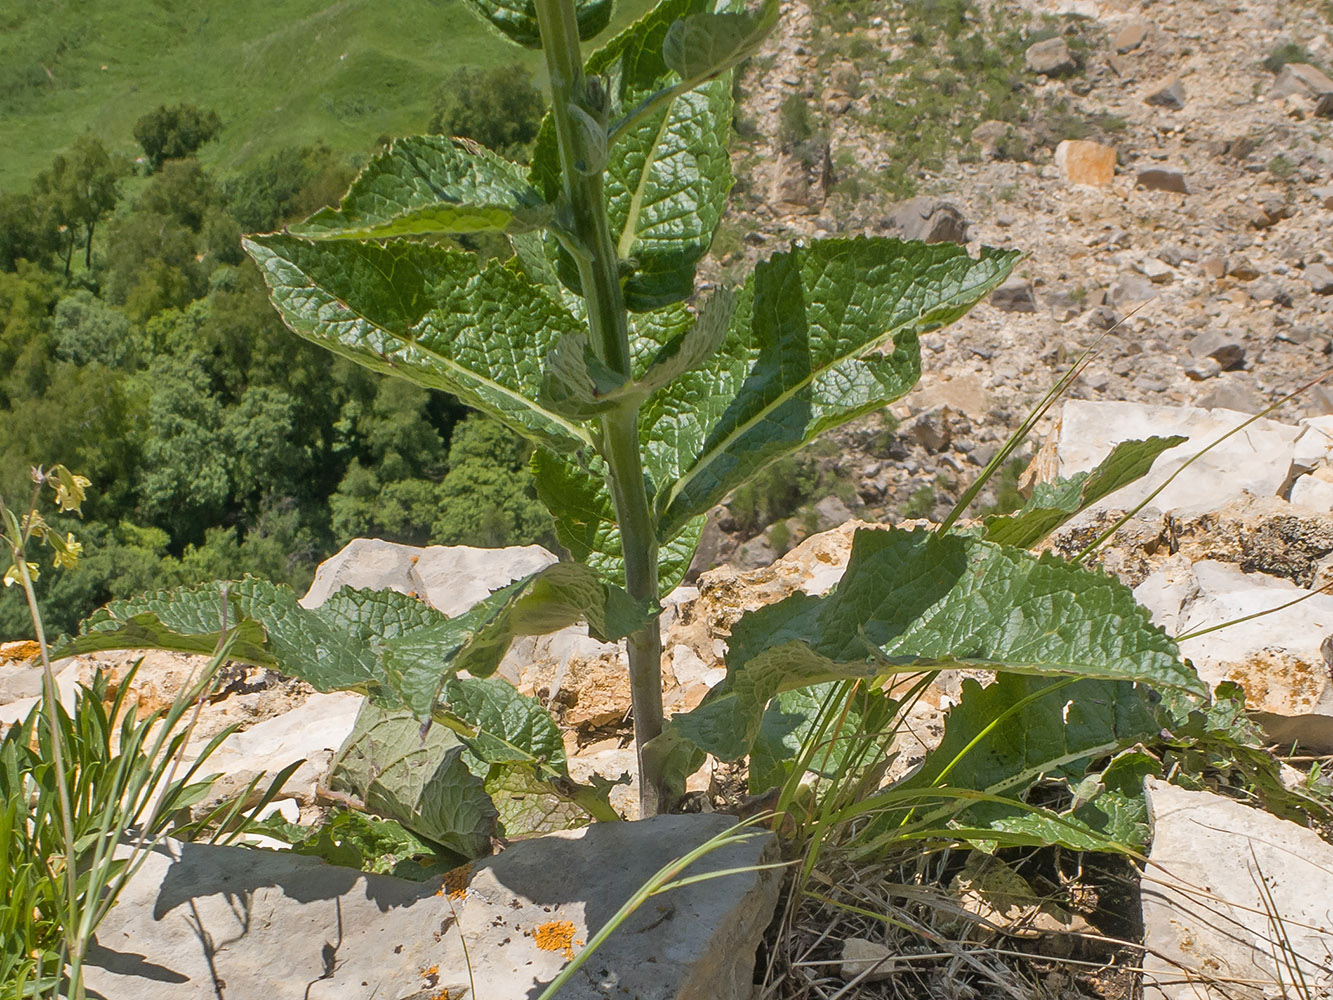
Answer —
(707, 459)
(628, 234)
(447, 363)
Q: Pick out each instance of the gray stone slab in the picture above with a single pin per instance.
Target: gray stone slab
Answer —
(1209, 930)
(206, 922)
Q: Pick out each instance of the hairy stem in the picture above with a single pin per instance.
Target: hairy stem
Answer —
(573, 105)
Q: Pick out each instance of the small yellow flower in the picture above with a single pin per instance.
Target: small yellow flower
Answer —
(69, 488)
(67, 551)
(13, 576)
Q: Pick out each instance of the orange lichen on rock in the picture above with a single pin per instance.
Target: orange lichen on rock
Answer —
(557, 935)
(20, 651)
(455, 882)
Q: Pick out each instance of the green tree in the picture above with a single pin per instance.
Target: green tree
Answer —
(488, 497)
(499, 108)
(175, 132)
(159, 252)
(285, 185)
(87, 330)
(185, 480)
(26, 231)
(80, 189)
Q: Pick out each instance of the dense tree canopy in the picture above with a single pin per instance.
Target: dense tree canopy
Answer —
(499, 108)
(218, 443)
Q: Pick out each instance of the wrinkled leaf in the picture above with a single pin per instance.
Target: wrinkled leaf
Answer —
(820, 335)
(788, 722)
(431, 185)
(420, 781)
(517, 19)
(390, 646)
(668, 172)
(700, 46)
(1003, 738)
(510, 728)
(913, 600)
(585, 522)
(1052, 504)
(576, 383)
(434, 316)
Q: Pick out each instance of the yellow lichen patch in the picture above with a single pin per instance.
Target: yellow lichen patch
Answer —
(20, 651)
(455, 882)
(557, 935)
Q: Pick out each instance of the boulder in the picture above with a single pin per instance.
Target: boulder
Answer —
(1161, 179)
(929, 220)
(1281, 658)
(800, 180)
(1051, 57)
(450, 578)
(1130, 36)
(1256, 462)
(1224, 348)
(311, 733)
(1210, 931)
(1320, 278)
(1301, 78)
(1169, 93)
(287, 927)
(1015, 295)
(831, 512)
(1082, 161)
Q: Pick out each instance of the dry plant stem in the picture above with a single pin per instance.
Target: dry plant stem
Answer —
(588, 236)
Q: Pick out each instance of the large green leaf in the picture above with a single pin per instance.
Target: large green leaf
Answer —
(668, 171)
(387, 645)
(914, 600)
(431, 185)
(418, 779)
(435, 316)
(820, 335)
(517, 19)
(585, 521)
(516, 747)
(1052, 504)
(1004, 737)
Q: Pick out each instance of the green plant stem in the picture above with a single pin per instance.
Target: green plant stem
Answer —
(599, 274)
(50, 698)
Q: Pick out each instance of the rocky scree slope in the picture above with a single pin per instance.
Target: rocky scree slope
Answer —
(1192, 254)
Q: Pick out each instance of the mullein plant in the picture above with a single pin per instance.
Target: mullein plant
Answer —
(647, 405)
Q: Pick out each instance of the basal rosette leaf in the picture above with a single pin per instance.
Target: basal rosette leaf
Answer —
(1052, 504)
(435, 316)
(418, 779)
(912, 601)
(820, 335)
(517, 19)
(387, 645)
(431, 185)
(1001, 739)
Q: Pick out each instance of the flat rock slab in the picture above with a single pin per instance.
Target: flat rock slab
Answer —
(450, 578)
(1280, 658)
(1256, 461)
(225, 922)
(1209, 930)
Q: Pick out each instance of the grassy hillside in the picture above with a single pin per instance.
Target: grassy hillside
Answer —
(278, 73)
